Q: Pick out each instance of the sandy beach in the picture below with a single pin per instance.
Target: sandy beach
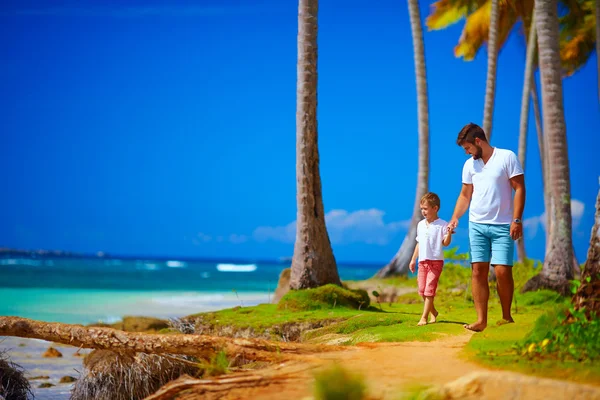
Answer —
(28, 354)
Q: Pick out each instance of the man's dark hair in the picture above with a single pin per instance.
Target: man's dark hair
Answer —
(469, 133)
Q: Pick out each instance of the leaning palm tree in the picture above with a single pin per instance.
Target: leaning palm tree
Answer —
(523, 125)
(400, 262)
(598, 44)
(313, 263)
(490, 84)
(558, 265)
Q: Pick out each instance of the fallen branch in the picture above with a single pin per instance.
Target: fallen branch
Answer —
(200, 346)
(219, 384)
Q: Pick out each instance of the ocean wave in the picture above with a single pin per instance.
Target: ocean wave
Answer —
(111, 319)
(147, 266)
(20, 261)
(236, 267)
(176, 264)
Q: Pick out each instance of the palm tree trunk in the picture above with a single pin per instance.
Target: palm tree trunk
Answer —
(313, 263)
(527, 84)
(490, 86)
(543, 160)
(549, 214)
(598, 44)
(558, 265)
(586, 296)
(400, 262)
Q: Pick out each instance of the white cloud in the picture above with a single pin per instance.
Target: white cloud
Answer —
(532, 224)
(364, 226)
(201, 238)
(237, 239)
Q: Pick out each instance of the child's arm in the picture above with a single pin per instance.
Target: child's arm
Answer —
(413, 261)
(448, 237)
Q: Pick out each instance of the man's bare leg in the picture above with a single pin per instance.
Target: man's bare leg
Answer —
(481, 294)
(506, 288)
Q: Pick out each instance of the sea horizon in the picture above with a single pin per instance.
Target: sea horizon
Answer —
(84, 290)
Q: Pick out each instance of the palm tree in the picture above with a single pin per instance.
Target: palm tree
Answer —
(527, 87)
(313, 263)
(598, 44)
(577, 24)
(586, 296)
(577, 41)
(400, 262)
(490, 84)
(558, 265)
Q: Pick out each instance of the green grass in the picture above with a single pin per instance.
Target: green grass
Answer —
(337, 383)
(331, 314)
(505, 347)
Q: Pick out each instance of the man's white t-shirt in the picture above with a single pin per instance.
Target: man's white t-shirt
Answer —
(430, 236)
(492, 200)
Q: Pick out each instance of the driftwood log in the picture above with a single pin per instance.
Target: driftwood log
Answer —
(200, 346)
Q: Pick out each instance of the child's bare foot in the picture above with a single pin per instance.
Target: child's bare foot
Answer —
(433, 317)
(422, 322)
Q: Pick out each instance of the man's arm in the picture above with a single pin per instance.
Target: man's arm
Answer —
(518, 184)
(462, 204)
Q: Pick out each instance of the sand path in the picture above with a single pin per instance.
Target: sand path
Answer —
(391, 369)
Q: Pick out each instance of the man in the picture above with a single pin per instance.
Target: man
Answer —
(488, 179)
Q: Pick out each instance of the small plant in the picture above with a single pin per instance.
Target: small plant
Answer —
(337, 383)
(575, 338)
(13, 384)
(376, 294)
(219, 364)
(334, 295)
(238, 297)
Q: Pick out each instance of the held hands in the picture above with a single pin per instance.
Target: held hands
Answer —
(411, 266)
(516, 231)
(451, 227)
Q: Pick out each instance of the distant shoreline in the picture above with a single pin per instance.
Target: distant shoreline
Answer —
(62, 254)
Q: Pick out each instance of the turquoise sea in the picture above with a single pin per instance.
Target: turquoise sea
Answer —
(86, 290)
(79, 290)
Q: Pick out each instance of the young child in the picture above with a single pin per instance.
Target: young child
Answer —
(432, 235)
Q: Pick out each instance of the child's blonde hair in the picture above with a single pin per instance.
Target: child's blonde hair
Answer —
(431, 199)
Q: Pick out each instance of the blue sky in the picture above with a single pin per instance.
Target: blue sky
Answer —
(168, 129)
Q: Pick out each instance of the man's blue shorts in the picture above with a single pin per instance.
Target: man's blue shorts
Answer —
(491, 243)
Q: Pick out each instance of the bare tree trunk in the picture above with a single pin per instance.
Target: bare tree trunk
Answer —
(527, 85)
(313, 263)
(598, 44)
(558, 265)
(400, 262)
(544, 161)
(549, 214)
(490, 86)
(587, 296)
(200, 346)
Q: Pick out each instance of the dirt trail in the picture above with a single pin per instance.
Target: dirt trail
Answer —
(387, 367)
(391, 369)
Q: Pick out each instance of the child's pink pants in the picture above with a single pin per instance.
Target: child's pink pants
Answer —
(428, 276)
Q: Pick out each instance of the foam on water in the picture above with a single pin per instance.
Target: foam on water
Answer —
(236, 267)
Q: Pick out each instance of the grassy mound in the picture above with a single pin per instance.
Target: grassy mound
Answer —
(324, 297)
(137, 324)
(13, 384)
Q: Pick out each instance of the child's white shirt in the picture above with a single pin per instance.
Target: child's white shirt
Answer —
(430, 237)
